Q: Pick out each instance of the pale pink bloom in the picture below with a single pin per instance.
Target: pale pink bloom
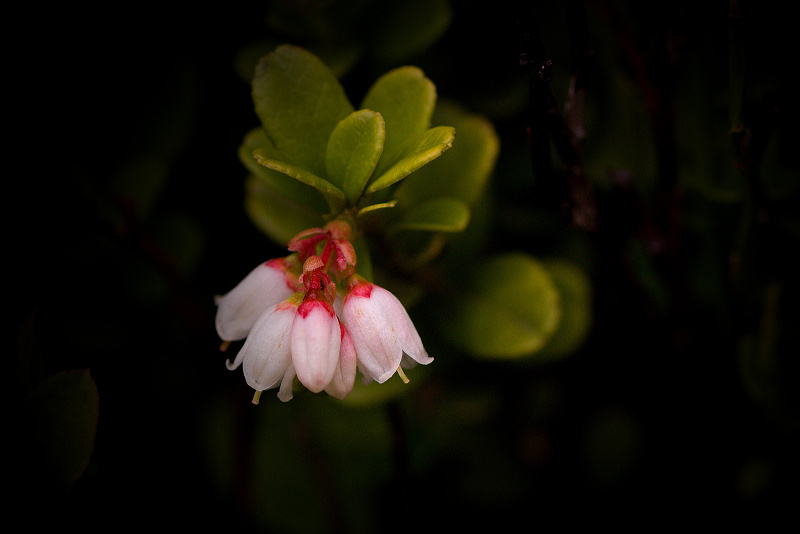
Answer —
(315, 343)
(303, 341)
(266, 355)
(240, 308)
(381, 331)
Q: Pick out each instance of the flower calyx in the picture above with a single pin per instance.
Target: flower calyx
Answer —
(331, 243)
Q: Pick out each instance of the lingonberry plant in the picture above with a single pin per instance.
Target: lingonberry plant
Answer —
(313, 315)
(334, 183)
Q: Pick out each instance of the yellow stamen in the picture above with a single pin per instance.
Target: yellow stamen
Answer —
(402, 375)
(256, 397)
(224, 346)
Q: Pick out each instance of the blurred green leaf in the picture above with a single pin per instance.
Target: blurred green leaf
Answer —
(419, 150)
(275, 215)
(409, 27)
(353, 151)
(285, 494)
(435, 215)
(508, 308)
(394, 388)
(575, 293)
(405, 98)
(62, 412)
(299, 102)
(466, 167)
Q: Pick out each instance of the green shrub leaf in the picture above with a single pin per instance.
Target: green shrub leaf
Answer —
(353, 151)
(405, 98)
(299, 102)
(508, 309)
(423, 148)
(436, 215)
(298, 173)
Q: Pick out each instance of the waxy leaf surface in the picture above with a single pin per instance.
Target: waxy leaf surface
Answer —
(405, 98)
(353, 151)
(421, 149)
(299, 102)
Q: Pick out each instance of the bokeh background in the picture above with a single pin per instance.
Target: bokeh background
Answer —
(125, 216)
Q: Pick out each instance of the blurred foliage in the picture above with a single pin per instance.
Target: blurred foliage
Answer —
(645, 176)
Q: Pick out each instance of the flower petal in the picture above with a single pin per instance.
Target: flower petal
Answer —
(239, 309)
(373, 332)
(266, 353)
(316, 339)
(343, 379)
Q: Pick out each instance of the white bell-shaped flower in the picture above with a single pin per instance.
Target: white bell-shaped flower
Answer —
(240, 308)
(266, 355)
(381, 330)
(315, 343)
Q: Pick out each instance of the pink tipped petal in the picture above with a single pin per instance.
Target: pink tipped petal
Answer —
(373, 334)
(265, 354)
(239, 309)
(316, 339)
(343, 379)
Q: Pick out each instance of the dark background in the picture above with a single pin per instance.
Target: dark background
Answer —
(649, 423)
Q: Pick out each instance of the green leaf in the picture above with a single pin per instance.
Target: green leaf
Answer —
(575, 292)
(509, 308)
(274, 214)
(405, 98)
(63, 413)
(289, 188)
(298, 173)
(466, 167)
(363, 257)
(424, 148)
(436, 215)
(353, 151)
(299, 102)
(408, 28)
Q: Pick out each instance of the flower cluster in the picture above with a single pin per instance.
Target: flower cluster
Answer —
(311, 316)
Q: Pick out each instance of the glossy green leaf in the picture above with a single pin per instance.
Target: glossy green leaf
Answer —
(299, 102)
(466, 167)
(290, 188)
(509, 308)
(353, 151)
(424, 148)
(298, 173)
(405, 98)
(276, 215)
(436, 215)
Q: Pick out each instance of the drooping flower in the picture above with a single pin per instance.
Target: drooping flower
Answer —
(381, 330)
(315, 342)
(299, 337)
(265, 286)
(266, 356)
